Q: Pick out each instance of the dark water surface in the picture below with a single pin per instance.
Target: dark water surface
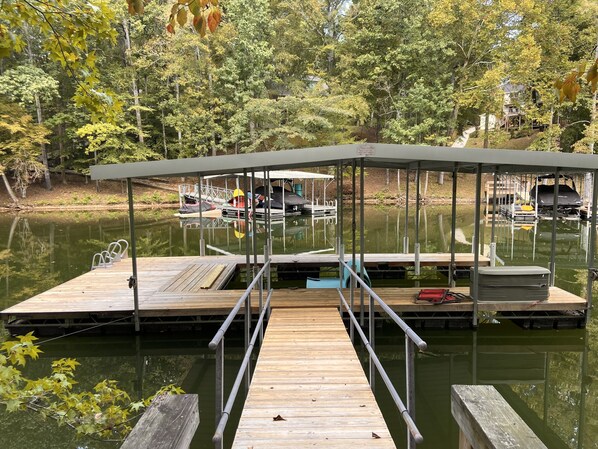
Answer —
(547, 375)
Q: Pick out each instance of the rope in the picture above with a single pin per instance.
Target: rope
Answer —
(84, 330)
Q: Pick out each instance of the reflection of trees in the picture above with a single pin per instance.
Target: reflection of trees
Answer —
(149, 244)
(561, 407)
(31, 269)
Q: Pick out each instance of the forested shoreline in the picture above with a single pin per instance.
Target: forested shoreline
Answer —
(89, 82)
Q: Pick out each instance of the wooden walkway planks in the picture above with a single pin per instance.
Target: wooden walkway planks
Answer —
(309, 374)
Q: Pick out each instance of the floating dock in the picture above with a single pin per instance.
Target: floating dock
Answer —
(309, 388)
(190, 289)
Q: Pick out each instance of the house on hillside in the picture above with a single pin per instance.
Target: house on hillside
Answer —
(512, 116)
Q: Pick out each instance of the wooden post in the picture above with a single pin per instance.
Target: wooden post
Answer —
(487, 421)
(169, 423)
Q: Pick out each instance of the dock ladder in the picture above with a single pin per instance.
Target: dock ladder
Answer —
(115, 252)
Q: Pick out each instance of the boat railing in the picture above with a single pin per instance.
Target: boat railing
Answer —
(412, 341)
(115, 252)
(217, 344)
(209, 193)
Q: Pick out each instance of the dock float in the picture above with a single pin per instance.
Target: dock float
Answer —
(309, 388)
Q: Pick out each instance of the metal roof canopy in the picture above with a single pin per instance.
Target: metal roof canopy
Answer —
(279, 174)
(373, 155)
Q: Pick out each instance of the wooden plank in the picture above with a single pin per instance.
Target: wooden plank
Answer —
(169, 423)
(487, 421)
(315, 383)
(211, 277)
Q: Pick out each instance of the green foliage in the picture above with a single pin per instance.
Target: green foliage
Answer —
(278, 74)
(20, 141)
(24, 84)
(104, 412)
(548, 140)
(291, 122)
(68, 30)
(114, 143)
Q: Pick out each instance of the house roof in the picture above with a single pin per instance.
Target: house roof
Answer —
(374, 155)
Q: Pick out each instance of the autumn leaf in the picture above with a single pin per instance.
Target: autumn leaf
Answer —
(212, 23)
(592, 75)
(278, 418)
(197, 23)
(182, 17)
(375, 435)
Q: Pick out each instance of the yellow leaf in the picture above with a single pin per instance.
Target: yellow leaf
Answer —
(182, 17)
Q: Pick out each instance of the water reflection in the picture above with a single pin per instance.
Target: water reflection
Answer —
(546, 375)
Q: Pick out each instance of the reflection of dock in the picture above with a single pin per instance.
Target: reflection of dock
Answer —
(187, 289)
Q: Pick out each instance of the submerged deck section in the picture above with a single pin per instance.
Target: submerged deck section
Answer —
(190, 289)
(309, 388)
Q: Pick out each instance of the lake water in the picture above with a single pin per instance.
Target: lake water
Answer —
(547, 375)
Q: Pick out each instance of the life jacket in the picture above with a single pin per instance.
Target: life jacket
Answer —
(439, 296)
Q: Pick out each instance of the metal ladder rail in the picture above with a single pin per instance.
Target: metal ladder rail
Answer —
(115, 252)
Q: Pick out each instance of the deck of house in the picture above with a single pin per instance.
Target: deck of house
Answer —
(189, 289)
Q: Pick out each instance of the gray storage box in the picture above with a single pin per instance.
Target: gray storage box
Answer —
(512, 283)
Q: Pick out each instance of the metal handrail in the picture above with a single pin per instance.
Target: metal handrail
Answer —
(393, 392)
(412, 340)
(217, 344)
(421, 344)
(229, 319)
(219, 433)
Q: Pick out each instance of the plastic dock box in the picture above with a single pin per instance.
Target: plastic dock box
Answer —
(512, 283)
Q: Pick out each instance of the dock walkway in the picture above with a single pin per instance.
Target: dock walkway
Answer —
(309, 388)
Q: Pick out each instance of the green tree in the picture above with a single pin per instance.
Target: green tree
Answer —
(105, 412)
(69, 31)
(20, 141)
(31, 87)
(386, 57)
(291, 122)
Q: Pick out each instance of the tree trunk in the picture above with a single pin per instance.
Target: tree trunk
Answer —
(133, 80)
(211, 87)
(137, 110)
(164, 136)
(40, 120)
(441, 178)
(178, 97)
(61, 153)
(11, 193)
(487, 129)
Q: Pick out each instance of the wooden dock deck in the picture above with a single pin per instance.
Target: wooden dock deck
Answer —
(189, 289)
(309, 388)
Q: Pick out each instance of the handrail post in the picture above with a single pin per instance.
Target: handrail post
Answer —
(219, 361)
(406, 236)
(372, 338)
(134, 279)
(410, 384)
(202, 243)
(452, 269)
(555, 205)
(592, 245)
(361, 240)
